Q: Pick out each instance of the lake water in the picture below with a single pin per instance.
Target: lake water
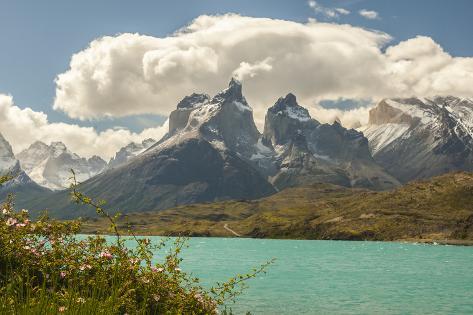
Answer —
(336, 277)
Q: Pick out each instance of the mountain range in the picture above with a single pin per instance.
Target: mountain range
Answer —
(213, 151)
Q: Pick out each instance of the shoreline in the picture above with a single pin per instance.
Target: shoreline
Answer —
(433, 242)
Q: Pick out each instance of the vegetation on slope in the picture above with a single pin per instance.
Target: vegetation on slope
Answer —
(46, 268)
(440, 209)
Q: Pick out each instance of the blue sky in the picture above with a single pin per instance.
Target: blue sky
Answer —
(37, 38)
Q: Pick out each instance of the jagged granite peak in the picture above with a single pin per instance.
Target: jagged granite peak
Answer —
(193, 100)
(309, 152)
(11, 166)
(422, 137)
(210, 153)
(288, 106)
(49, 165)
(8, 163)
(233, 92)
(130, 151)
(226, 121)
(285, 119)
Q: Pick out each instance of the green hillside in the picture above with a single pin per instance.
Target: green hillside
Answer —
(438, 209)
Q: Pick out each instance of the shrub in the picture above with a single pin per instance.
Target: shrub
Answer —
(46, 268)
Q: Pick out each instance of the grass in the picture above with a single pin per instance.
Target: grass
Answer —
(439, 209)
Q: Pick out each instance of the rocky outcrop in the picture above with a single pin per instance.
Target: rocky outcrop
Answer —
(308, 152)
(128, 152)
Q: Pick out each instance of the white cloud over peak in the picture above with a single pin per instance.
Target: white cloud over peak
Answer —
(369, 14)
(21, 127)
(136, 74)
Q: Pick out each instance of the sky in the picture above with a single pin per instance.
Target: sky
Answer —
(39, 38)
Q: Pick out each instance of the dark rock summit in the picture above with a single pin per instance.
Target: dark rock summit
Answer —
(308, 152)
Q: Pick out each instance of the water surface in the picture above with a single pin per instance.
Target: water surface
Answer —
(337, 277)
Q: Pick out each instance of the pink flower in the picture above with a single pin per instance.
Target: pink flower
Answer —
(11, 221)
(106, 255)
(154, 269)
(62, 309)
(62, 274)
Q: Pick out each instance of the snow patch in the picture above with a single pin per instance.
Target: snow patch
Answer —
(380, 136)
(242, 107)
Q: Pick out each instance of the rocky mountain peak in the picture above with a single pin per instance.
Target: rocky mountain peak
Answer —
(8, 162)
(232, 93)
(285, 120)
(5, 148)
(129, 151)
(49, 166)
(57, 148)
(288, 107)
(407, 134)
(148, 142)
(39, 145)
(193, 100)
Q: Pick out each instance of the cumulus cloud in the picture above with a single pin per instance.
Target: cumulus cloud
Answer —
(136, 74)
(369, 14)
(352, 118)
(21, 127)
(251, 70)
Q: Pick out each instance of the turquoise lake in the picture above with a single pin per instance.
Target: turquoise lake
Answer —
(337, 277)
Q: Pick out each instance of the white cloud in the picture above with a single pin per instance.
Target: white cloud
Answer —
(342, 11)
(352, 118)
(327, 12)
(251, 70)
(21, 127)
(369, 14)
(137, 74)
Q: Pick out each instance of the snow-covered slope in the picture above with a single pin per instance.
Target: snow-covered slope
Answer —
(21, 184)
(422, 137)
(50, 165)
(128, 152)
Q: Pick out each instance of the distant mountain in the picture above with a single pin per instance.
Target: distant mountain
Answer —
(307, 152)
(213, 152)
(128, 152)
(422, 137)
(50, 165)
(8, 162)
(204, 157)
(21, 184)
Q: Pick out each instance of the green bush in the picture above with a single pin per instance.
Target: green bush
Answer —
(45, 268)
